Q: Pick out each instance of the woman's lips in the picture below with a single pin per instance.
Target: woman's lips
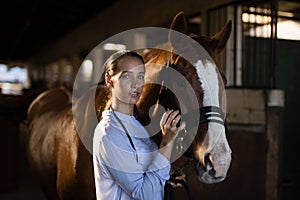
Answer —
(134, 94)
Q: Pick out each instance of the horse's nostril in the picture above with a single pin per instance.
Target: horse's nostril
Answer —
(209, 166)
(212, 172)
(207, 162)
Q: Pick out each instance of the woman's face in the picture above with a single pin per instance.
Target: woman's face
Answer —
(128, 82)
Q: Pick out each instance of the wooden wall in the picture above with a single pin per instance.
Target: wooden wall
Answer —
(253, 136)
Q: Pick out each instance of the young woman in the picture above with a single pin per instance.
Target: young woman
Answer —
(127, 163)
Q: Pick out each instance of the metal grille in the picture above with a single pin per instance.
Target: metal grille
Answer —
(249, 59)
(259, 44)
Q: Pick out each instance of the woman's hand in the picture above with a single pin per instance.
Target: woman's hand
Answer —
(168, 125)
(177, 183)
(169, 129)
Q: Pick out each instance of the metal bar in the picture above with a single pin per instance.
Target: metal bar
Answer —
(273, 43)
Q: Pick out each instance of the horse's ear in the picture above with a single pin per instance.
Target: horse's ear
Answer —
(178, 24)
(220, 39)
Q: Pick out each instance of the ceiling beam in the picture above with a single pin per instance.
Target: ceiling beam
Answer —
(121, 16)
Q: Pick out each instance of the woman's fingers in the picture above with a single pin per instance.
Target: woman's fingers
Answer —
(165, 117)
(169, 128)
(181, 177)
(175, 185)
(181, 127)
(170, 120)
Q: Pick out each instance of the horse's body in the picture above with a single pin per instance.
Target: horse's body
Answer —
(58, 154)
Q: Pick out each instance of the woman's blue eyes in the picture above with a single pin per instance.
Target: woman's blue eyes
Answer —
(141, 76)
(127, 76)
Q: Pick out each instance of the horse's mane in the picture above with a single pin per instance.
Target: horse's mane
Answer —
(157, 54)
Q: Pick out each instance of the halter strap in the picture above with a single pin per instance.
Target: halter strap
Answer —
(212, 114)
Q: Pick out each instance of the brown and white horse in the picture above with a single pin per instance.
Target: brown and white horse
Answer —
(56, 141)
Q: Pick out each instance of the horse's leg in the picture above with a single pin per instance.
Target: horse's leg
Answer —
(75, 177)
(48, 188)
(66, 162)
(41, 158)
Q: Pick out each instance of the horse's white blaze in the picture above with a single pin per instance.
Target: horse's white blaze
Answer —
(208, 76)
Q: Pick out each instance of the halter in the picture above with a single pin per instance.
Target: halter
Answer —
(207, 114)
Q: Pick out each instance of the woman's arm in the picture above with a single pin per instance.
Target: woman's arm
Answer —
(123, 168)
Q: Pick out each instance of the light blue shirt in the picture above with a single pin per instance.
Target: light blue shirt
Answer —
(118, 175)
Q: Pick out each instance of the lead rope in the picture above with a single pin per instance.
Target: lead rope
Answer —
(128, 136)
(176, 173)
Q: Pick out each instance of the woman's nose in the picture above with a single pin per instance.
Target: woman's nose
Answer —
(136, 83)
(133, 85)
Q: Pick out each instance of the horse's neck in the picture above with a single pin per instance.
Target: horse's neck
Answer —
(148, 98)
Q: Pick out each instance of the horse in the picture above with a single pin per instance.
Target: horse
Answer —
(208, 149)
(56, 148)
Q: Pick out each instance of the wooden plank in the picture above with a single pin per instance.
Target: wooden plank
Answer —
(245, 106)
(274, 110)
(272, 159)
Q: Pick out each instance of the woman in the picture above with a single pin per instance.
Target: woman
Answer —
(127, 163)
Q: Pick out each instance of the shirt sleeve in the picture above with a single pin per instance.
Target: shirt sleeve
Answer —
(124, 169)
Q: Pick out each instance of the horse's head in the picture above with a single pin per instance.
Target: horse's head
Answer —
(202, 108)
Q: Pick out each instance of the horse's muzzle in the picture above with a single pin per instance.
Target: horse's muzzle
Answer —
(208, 173)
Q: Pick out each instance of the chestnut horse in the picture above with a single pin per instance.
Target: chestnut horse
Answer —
(56, 146)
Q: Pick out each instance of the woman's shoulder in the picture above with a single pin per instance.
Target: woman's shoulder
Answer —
(108, 126)
(111, 134)
(107, 120)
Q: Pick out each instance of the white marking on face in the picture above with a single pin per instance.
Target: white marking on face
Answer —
(215, 141)
(209, 78)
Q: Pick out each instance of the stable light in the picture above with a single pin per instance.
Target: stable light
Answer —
(114, 46)
(258, 19)
(87, 70)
